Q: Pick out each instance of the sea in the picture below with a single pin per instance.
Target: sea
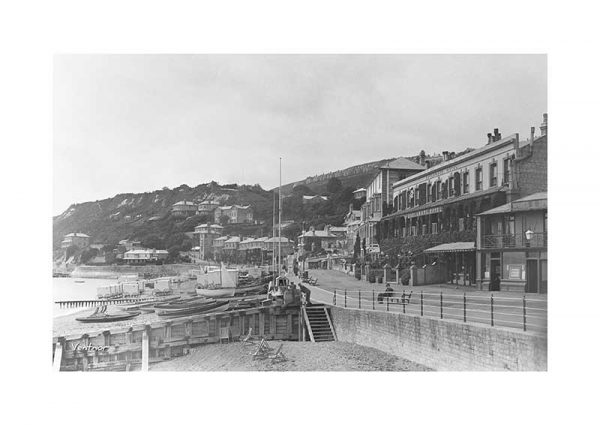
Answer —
(74, 289)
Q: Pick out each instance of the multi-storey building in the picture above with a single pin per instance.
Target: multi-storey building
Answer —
(218, 245)
(236, 213)
(184, 209)
(80, 240)
(204, 235)
(379, 194)
(207, 207)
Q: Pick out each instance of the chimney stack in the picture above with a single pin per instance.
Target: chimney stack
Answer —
(428, 164)
(544, 125)
(490, 139)
(497, 135)
(445, 155)
(532, 133)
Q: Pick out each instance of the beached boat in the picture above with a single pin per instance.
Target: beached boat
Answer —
(194, 309)
(100, 316)
(260, 288)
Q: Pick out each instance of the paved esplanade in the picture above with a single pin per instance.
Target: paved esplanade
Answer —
(507, 309)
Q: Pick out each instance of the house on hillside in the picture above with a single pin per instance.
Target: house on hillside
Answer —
(236, 213)
(314, 199)
(207, 207)
(184, 209)
(313, 241)
(79, 240)
(360, 193)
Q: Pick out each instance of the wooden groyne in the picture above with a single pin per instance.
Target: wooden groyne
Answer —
(136, 346)
(96, 303)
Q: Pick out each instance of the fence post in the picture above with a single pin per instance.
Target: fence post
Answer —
(334, 297)
(524, 315)
(403, 302)
(441, 305)
(359, 301)
(421, 303)
(345, 299)
(492, 308)
(387, 303)
(373, 299)
(464, 306)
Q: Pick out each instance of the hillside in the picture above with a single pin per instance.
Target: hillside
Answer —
(356, 176)
(147, 216)
(141, 215)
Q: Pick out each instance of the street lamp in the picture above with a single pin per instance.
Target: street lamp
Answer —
(529, 234)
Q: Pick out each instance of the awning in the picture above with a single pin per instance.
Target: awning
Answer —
(452, 247)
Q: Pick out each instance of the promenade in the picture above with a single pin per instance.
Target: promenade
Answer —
(514, 310)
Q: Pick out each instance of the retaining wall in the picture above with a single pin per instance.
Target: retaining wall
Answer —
(442, 344)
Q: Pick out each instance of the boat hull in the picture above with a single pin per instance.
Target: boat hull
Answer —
(108, 317)
(216, 293)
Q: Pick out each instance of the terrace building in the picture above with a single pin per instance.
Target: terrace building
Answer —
(218, 245)
(379, 194)
(440, 204)
(144, 256)
(207, 207)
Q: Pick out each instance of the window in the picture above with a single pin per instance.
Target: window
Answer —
(506, 169)
(424, 229)
(461, 224)
(466, 182)
(479, 178)
(434, 228)
(451, 186)
(493, 174)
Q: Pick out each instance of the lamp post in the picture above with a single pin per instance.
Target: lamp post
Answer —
(529, 234)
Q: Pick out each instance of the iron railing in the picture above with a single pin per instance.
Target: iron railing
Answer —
(538, 240)
(524, 312)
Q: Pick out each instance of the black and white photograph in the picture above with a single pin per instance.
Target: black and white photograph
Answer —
(300, 213)
(335, 212)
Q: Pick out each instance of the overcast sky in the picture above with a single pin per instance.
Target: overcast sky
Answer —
(132, 123)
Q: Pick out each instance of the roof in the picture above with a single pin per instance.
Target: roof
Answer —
(403, 164)
(452, 247)
(452, 162)
(184, 203)
(536, 201)
(233, 239)
(207, 225)
(147, 251)
(317, 234)
(362, 189)
(276, 239)
(248, 240)
(337, 229)
(222, 238)
(309, 197)
(79, 235)
(208, 202)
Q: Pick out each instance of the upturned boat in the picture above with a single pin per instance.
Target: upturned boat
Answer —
(100, 315)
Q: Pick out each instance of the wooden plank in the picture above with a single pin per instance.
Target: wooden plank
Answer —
(58, 351)
(145, 352)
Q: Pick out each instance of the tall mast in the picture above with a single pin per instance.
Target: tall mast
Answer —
(273, 256)
(279, 250)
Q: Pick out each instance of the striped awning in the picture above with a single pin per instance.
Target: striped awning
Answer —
(452, 247)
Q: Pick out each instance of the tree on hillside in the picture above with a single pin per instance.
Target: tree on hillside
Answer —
(152, 242)
(302, 189)
(224, 220)
(334, 185)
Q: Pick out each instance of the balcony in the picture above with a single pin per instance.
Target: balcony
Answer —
(538, 240)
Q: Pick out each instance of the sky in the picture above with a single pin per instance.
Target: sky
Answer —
(137, 123)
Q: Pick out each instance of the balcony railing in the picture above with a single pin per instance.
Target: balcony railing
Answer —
(538, 240)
